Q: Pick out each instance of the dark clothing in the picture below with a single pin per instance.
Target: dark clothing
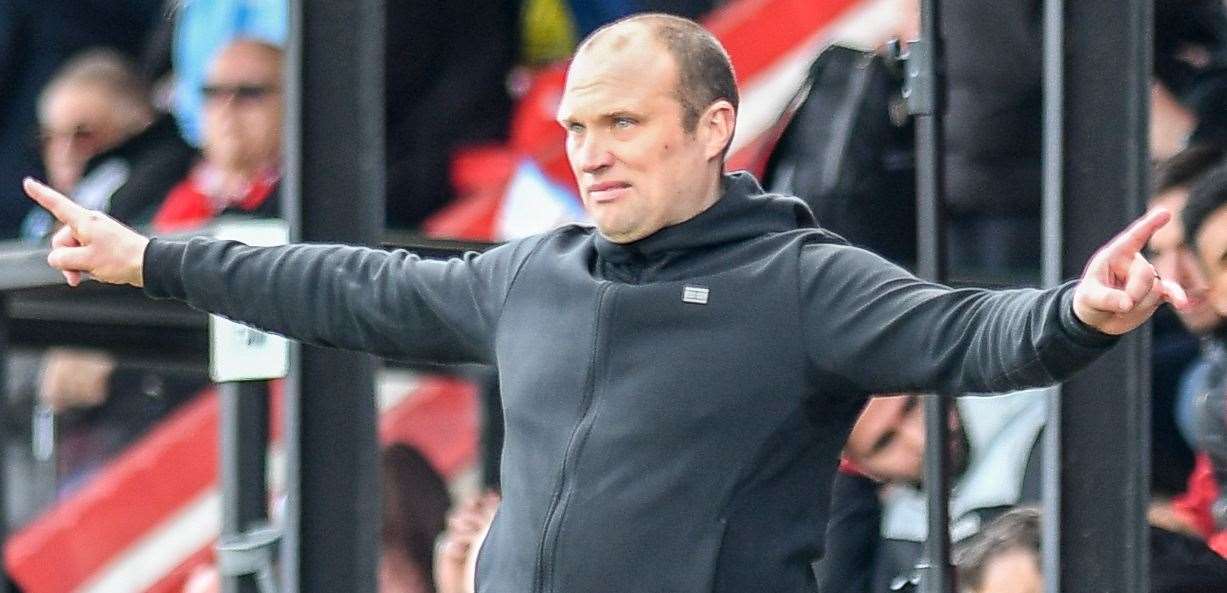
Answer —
(158, 158)
(35, 39)
(994, 121)
(447, 68)
(1182, 564)
(853, 536)
(674, 407)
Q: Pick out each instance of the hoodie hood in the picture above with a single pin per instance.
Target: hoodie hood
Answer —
(744, 211)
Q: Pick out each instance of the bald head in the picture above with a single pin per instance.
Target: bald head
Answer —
(704, 72)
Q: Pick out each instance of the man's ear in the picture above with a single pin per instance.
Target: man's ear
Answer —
(717, 124)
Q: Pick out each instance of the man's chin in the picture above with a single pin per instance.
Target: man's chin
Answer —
(619, 234)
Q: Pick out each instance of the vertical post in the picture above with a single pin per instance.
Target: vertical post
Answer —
(4, 443)
(491, 427)
(244, 441)
(334, 193)
(925, 92)
(1097, 73)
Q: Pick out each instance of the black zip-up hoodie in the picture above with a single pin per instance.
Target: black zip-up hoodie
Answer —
(675, 406)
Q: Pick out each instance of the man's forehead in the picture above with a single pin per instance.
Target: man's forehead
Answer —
(627, 73)
(244, 59)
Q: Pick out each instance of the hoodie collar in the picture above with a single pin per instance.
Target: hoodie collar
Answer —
(742, 212)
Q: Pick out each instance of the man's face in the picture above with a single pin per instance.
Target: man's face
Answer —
(242, 108)
(1174, 260)
(888, 440)
(637, 168)
(1212, 251)
(77, 121)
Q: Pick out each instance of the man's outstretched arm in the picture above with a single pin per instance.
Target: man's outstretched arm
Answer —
(388, 303)
(885, 330)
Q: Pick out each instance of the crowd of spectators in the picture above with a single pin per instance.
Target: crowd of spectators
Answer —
(168, 114)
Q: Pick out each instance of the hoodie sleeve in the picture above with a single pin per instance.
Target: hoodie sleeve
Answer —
(393, 304)
(884, 330)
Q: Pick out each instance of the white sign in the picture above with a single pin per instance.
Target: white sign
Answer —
(238, 352)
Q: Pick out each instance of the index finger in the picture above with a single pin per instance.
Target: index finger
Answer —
(64, 209)
(1134, 238)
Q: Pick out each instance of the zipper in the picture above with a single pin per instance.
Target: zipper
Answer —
(562, 491)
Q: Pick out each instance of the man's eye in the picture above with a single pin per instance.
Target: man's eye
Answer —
(575, 128)
(623, 122)
(883, 442)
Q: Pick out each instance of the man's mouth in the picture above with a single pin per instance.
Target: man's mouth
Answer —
(606, 190)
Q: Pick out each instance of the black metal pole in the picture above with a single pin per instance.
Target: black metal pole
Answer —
(333, 192)
(491, 427)
(243, 433)
(4, 443)
(1097, 74)
(925, 94)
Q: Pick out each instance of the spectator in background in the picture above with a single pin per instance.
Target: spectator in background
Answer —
(103, 143)
(241, 167)
(202, 29)
(35, 39)
(1205, 221)
(457, 547)
(1183, 367)
(878, 514)
(415, 503)
(1005, 558)
(93, 103)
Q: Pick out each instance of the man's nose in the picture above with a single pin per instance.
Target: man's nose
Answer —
(594, 155)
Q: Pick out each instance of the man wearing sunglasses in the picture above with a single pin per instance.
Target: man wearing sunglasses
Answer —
(242, 141)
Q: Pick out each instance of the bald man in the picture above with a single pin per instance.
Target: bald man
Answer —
(677, 381)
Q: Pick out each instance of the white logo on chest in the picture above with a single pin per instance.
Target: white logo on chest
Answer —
(694, 294)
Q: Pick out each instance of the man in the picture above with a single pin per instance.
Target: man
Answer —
(93, 103)
(1005, 558)
(1171, 254)
(878, 520)
(242, 141)
(104, 144)
(1205, 221)
(35, 39)
(1182, 367)
(678, 381)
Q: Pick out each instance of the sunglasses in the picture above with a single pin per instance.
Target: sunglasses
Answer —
(237, 92)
